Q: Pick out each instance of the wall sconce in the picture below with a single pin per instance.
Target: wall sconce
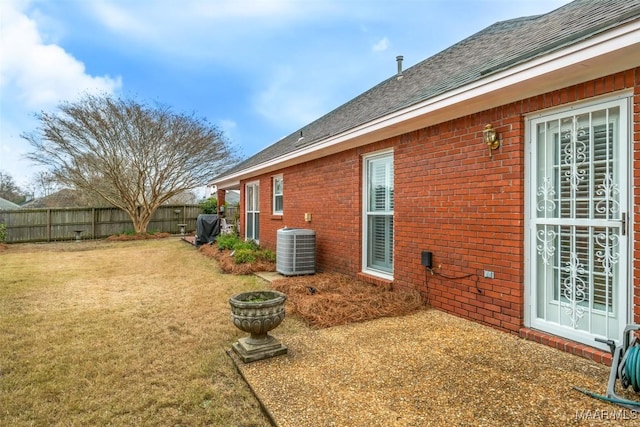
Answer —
(490, 137)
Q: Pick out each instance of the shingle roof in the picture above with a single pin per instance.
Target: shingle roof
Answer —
(497, 47)
(65, 198)
(6, 205)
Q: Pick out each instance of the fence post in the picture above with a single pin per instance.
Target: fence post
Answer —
(93, 223)
(48, 225)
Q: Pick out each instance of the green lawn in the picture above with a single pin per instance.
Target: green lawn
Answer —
(126, 333)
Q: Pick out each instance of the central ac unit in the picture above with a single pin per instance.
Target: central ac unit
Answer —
(296, 251)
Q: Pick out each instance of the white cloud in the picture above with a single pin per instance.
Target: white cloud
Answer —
(198, 31)
(288, 101)
(40, 75)
(233, 9)
(34, 76)
(121, 20)
(228, 127)
(381, 45)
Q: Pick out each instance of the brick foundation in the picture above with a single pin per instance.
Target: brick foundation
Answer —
(565, 345)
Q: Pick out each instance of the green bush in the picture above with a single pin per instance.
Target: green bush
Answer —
(209, 206)
(227, 241)
(3, 233)
(250, 246)
(245, 255)
(244, 252)
(267, 255)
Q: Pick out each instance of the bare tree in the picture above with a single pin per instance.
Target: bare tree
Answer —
(9, 190)
(42, 184)
(134, 156)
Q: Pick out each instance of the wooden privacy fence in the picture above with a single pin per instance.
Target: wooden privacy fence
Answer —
(231, 212)
(47, 225)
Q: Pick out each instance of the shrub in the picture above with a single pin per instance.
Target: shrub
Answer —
(3, 233)
(209, 206)
(267, 255)
(227, 241)
(244, 252)
(245, 255)
(250, 246)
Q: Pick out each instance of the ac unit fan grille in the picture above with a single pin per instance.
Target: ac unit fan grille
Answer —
(296, 252)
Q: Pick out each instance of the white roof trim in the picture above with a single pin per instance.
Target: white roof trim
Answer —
(588, 59)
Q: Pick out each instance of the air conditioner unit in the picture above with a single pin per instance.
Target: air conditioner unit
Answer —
(296, 251)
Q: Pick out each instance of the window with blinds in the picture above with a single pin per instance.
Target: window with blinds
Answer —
(252, 203)
(379, 213)
(278, 195)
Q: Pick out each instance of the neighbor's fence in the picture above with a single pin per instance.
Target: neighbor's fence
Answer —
(47, 225)
(231, 212)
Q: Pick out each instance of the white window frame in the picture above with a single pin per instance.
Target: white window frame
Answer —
(366, 267)
(276, 195)
(252, 214)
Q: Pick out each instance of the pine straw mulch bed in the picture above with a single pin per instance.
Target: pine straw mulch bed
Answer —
(228, 265)
(323, 300)
(331, 299)
(137, 236)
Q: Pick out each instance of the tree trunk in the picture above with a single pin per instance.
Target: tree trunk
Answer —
(140, 218)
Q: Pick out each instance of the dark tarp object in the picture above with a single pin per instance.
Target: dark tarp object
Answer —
(207, 228)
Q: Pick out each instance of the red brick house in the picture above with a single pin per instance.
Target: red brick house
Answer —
(537, 236)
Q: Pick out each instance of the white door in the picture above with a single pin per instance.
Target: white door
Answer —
(577, 222)
(252, 208)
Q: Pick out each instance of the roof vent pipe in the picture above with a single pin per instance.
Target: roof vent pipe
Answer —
(399, 58)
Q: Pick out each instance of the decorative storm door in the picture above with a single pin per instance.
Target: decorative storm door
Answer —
(577, 222)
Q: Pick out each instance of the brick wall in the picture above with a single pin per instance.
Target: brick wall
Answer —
(328, 189)
(451, 198)
(468, 210)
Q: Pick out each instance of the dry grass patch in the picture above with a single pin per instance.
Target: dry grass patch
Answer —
(123, 333)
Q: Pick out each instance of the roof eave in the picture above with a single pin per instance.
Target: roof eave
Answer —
(607, 53)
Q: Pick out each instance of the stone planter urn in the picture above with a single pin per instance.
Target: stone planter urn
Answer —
(258, 312)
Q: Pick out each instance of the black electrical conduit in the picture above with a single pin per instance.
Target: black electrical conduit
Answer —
(436, 273)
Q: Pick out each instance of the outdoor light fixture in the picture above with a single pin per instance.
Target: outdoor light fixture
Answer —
(490, 137)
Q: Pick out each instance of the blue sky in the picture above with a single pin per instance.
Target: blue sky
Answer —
(257, 69)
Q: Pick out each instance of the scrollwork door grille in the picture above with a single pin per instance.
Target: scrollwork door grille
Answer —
(577, 211)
